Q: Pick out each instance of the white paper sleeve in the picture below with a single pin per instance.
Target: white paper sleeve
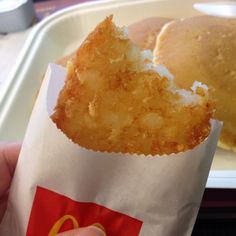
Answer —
(128, 194)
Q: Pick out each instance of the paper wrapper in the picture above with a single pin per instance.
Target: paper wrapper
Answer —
(58, 185)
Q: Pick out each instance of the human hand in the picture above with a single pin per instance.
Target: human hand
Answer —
(86, 231)
(9, 153)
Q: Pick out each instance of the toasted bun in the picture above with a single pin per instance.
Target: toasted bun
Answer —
(203, 48)
(143, 33)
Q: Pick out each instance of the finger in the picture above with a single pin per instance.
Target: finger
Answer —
(87, 231)
(3, 205)
(9, 153)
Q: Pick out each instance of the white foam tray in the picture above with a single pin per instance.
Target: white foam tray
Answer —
(61, 34)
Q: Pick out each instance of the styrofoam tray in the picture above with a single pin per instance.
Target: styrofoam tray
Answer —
(59, 35)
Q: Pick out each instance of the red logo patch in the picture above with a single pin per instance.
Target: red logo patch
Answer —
(53, 213)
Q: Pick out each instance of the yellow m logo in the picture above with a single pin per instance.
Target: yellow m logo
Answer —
(57, 226)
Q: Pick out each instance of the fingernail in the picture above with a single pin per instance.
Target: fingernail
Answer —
(96, 230)
(92, 230)
(99, 226)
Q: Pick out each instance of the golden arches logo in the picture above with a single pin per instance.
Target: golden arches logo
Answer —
(57, 226)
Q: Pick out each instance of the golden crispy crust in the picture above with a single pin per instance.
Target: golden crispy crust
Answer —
(203, 48)
(111, 102)
(142, 33)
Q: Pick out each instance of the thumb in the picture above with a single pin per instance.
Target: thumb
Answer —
(86, 231)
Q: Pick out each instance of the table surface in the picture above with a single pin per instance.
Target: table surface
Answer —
(217, 215)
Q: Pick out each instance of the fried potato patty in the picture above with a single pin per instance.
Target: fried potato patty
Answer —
(142, 33)
(114, 100)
